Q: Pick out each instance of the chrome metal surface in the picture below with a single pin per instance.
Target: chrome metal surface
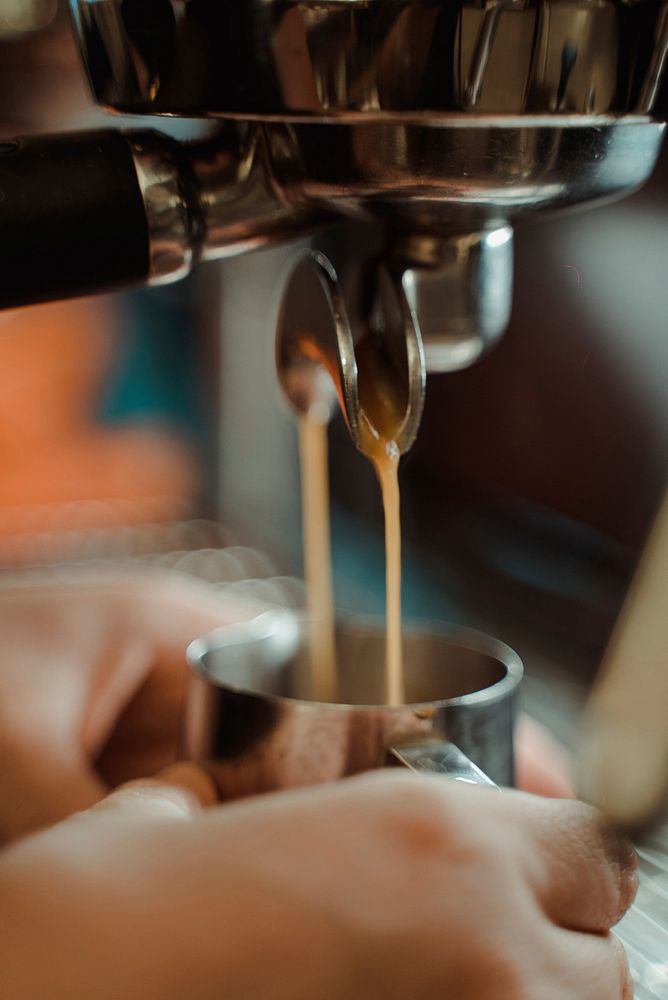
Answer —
(446, 195)
(250, 717)
(172, 213)
(212, 199)
(315, 343)
(465, 174)
(369, 58)
(460, 290)
(655, 76)
(446, 120)
(241, 206)
(440, 758)
(318, 329)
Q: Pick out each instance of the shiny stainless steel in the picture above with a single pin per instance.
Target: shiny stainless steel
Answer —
(211, 199)
(171, 216)
(484, 48)
(320, 322)
(366, 59)
(447, 196)
(446, 120)
(241, 206)
(250, 717)
(315, 343)
(466, 175)
(459, 288)
(656, 72)
(439, 758)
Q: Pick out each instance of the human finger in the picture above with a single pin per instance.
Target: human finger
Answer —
(134, 730)
(583, 870)
(590, 966)
(181, 790)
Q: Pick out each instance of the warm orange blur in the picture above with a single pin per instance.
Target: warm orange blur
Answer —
(58, 468)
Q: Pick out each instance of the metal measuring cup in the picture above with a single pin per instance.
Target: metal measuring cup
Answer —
(252, 722)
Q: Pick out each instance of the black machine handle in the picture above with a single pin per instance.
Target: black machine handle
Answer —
(72, 217)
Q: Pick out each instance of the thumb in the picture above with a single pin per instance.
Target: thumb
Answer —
(179, 791)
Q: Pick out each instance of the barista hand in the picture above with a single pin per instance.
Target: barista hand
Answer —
(388, 885)
(92, 678)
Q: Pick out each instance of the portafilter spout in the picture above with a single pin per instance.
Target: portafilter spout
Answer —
(327, 340)
(436, 303)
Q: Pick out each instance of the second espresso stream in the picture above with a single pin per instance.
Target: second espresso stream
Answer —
(381, 415)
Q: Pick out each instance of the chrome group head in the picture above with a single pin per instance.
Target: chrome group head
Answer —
(444, 122)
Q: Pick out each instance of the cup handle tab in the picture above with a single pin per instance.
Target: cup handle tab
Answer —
(438, 758)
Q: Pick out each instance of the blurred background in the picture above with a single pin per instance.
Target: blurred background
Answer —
(148, 424)
(104, 401)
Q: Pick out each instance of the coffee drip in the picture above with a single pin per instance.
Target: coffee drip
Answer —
(354, 343)
(382, 405)
(313, 455)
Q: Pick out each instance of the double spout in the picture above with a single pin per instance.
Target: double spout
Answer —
(323, 349)
(422, 303)
(443, 123)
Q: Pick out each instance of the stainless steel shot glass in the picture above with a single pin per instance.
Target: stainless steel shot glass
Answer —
(252, 721)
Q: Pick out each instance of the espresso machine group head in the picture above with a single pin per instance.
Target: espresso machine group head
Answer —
(438, 124)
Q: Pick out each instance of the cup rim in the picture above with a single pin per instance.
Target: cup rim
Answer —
(265, 625)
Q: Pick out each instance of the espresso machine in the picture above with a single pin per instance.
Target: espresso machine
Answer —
(435, 126)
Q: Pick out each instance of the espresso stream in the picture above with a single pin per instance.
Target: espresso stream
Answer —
(313, 456)
(381, 417)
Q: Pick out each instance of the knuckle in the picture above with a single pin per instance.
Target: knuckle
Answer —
(585, 856)
(624, 862)
(424, 816)
(612, 851)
